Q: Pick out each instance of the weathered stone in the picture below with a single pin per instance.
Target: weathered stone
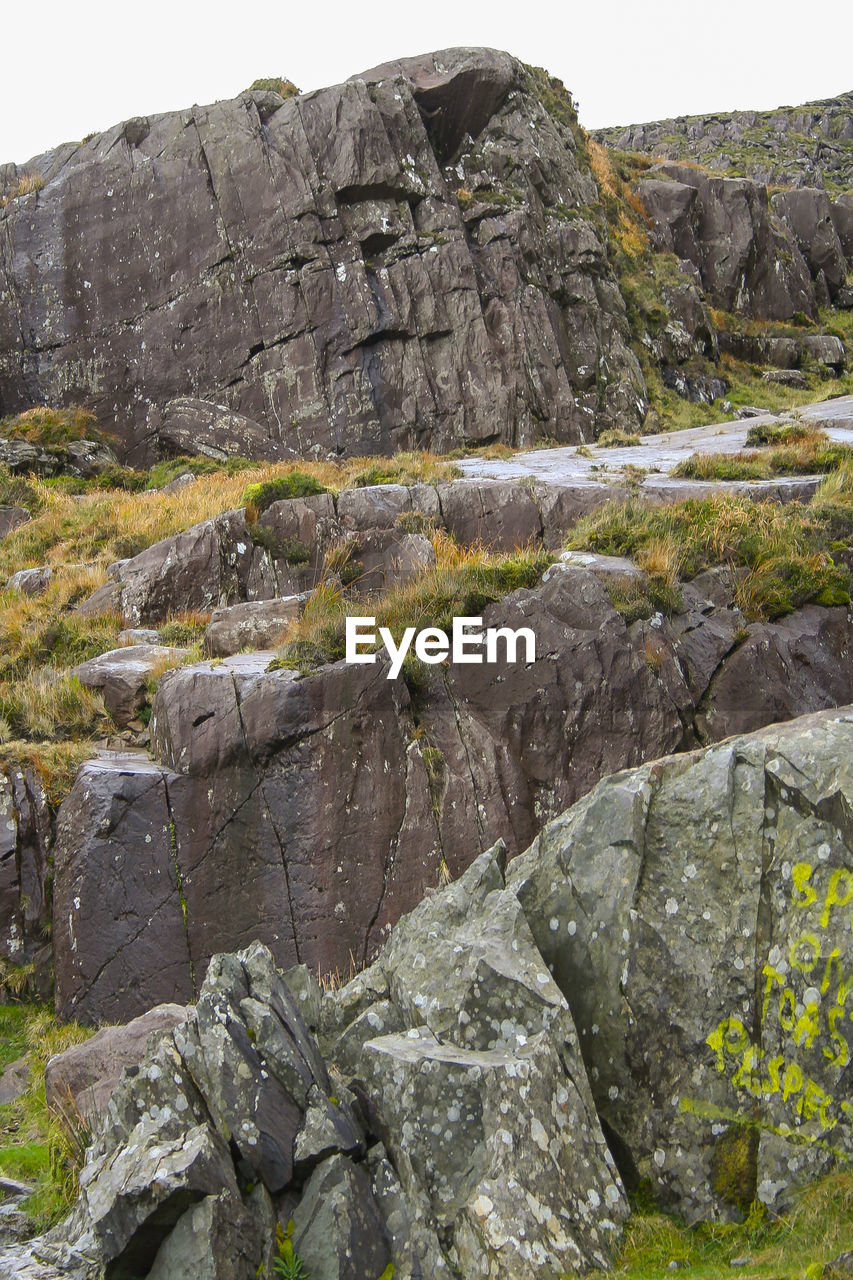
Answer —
(256, 624)
(826, 349)
(747, 261)
(809, 215)
(11, 518)
(197, 427)
(501, 516)
(13, 1084)
(786, 378)
(26, 838)
(121, 676)
(214, 1240)
(695, 913)
(267, 842)
(307, 265)
(338, 1231)
(206, 567)
(784, 669)
(121, 943)
(31, 582)
(82, 459)
(488, 1063)
(83, 1078)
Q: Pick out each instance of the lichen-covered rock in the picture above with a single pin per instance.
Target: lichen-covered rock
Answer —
(83, 1078)
(696, 914)
(479, 1071)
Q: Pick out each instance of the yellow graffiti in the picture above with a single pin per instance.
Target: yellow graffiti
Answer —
(815, 1018)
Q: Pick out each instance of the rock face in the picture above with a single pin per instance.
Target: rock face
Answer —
(696, 914)
(657, 989)
(26, 839)
(383, 264)
(747, 260)
(311, 812)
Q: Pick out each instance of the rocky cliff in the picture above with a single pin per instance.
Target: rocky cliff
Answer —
(405, 260)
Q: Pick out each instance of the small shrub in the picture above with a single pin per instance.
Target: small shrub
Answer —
(274, 84)
(295, 484)
(617, 438)
(415, 522)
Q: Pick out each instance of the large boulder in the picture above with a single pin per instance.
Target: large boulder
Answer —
(465, 1053)
(696, 915)
(308, 275)
(122, 676)
(809, 215)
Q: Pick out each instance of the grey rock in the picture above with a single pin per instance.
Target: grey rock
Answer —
(121, 676)
(338, 1230)
(306, 264)
(786, 378)
(487, 1064)
(11, 518)
(747, 261)
(13, 1084)
(82, 459)
(196, 427)
(808, 213)
(257, 624)
(826, 349)
(83, 1078)
(31, 582)
(691, 911)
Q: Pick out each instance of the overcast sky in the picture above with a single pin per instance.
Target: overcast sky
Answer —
(74, 68)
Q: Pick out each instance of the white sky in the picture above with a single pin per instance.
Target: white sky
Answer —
(73, 68)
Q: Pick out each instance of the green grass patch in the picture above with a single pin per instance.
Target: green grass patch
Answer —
(786, 548)
(799, 1244)
(295, 484)
(802, 452)
(34, 1146)
(461, 585)
(49, 428)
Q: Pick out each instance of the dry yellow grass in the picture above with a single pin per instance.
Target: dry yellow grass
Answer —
(25, 186)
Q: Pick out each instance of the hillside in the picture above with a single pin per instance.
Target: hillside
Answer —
(807, 146)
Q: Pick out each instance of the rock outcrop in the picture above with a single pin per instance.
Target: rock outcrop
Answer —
(748, 260)
(696, 914)
(445, 1063)
(657, 989)
(399, 261)
(311, 812)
